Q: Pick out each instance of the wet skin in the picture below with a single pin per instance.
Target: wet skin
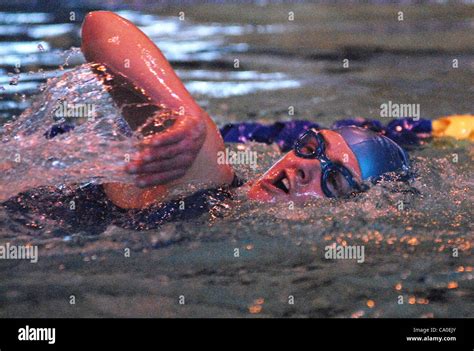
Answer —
(298, 179)
(183, 154)
(187, 152)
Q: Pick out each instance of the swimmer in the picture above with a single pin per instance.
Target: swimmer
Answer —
(322, 163)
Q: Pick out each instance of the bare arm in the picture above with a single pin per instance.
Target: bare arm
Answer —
(186, 152)
(112, 40)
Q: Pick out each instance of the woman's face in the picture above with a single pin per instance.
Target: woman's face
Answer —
(298, 179)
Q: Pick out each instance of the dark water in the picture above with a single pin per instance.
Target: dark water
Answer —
(417, 237)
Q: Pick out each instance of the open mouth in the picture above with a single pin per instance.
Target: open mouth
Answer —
(282, 182)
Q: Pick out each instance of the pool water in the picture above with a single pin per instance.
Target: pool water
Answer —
(240, 258)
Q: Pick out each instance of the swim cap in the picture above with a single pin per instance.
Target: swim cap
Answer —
(375, 153)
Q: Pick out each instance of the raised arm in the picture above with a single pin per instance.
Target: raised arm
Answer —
(187, 151)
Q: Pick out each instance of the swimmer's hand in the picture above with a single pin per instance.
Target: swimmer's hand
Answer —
(167, 156)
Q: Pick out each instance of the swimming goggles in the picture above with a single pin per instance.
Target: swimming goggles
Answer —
(336, 179)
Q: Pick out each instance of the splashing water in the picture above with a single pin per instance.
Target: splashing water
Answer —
(95, 150)
(409, 231)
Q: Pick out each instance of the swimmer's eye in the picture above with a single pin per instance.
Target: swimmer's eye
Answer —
(308, 149)
(337, 184)
(308, 145)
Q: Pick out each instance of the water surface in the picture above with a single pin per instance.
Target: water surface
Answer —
(410, 231)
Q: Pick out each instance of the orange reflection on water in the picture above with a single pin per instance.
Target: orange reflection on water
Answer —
(257, 306)
(422, 301)
(452, 285)
(255, 309)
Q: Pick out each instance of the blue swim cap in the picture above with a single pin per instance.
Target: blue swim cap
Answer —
(375, 153)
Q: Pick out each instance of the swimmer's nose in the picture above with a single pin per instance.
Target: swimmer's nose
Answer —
(306, 171)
